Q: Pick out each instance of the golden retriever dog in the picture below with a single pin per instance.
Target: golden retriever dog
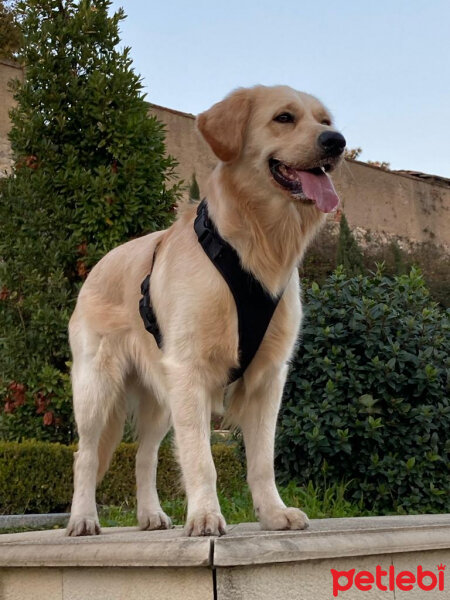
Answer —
(267, 197)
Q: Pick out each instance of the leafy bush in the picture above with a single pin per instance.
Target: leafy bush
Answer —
(322, 259)
(367, 397)
(90, 173)
(36, 477)
(10, 34)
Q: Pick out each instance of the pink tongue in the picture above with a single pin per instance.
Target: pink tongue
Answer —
(320, 189)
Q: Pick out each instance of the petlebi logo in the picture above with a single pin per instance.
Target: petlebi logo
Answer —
(389, 580)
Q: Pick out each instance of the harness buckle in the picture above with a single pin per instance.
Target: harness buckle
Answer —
(204, 234)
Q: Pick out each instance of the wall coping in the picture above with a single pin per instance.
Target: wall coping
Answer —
(399, 173)
(244, 544)
(174, 111)
(11, 63)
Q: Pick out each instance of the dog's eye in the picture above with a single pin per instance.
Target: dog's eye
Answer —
(284, 118)
(326, 122)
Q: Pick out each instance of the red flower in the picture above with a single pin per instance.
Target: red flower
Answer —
(82, 248)
(18, 392)
(9, 406)
(48, 418)
(4, 293)
(32, 161)
(41, 403)
(81, 269)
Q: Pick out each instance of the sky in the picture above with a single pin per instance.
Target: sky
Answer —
(382, 67)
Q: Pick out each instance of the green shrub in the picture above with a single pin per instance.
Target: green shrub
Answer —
(36, 477)
(321, 260)
(349, 254)
(367, 397)
(10, 34)
(90, 172)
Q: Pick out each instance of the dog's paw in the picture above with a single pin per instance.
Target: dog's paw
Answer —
(205, 523)
(83, 526)
(149, 520)
(281, 518)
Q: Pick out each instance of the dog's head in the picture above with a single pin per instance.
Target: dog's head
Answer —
(278, 137)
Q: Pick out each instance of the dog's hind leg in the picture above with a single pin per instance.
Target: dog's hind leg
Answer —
(153, 422)
(97, 391)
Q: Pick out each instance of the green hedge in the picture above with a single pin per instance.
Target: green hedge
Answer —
(367, 398)
(36, 477)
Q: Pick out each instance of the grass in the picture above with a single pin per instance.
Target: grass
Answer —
(317, 502)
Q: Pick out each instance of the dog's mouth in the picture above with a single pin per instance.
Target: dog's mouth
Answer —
(312, 185)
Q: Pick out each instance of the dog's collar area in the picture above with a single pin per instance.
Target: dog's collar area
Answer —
(255, 306)
(207, 234)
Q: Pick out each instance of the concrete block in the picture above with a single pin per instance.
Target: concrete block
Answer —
(30, 584)
(246, 544)
(306, 580)
(429, 561)
(138, 584)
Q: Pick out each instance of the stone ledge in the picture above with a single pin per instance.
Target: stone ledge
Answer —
(332, 538)
(244, 544)
(115, 547)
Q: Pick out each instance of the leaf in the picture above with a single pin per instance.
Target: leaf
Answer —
(410, 463)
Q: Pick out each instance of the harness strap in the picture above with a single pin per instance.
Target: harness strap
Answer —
(255, 306)
(146, 308)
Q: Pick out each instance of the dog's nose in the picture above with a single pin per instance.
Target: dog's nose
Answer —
(332, 142)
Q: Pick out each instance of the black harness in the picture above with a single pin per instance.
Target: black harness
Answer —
(254, 305)
(146, 308)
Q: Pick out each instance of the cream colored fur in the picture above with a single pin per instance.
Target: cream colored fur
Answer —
(116, 361)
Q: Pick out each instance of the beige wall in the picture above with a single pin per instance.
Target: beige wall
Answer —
(186, 144)
(400, 205)
(8, 71)
(374, 200)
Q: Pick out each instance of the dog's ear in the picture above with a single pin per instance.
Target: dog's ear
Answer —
(223, 126)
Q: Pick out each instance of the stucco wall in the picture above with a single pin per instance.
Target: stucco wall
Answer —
(386, 202)
(8, 71)
(186, 144)
(375, 200)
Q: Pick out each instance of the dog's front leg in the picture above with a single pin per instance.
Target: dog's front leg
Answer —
(257, 420)
(190, 405)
